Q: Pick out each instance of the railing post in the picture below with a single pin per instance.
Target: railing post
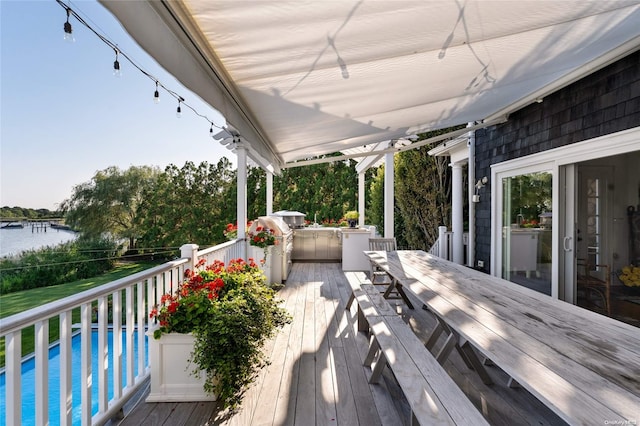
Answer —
(86, 377)
(42, 372)
(190, 251)
(442, 241)
(13, 384)
(66, 358)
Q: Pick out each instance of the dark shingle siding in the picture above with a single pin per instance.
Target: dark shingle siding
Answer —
(605, 102)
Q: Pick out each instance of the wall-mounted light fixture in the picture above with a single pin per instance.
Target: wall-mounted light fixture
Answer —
(479, 185)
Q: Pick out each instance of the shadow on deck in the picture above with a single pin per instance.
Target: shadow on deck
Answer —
(316, 376)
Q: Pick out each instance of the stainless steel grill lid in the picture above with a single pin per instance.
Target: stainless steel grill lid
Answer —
(292, 218)
(277, 224)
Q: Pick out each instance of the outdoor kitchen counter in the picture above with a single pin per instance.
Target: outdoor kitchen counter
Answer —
(332, 245)
(317, 244)
(354, 243)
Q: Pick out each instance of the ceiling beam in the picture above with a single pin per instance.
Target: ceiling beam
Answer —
(381, 152)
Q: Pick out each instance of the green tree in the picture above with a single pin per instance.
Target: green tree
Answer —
(423, 196)
(109, 203)
(191, 204)
(7, 212)
(375, 201)
(326, 191)
(256, 193)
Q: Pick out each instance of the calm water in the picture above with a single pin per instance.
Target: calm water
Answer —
(14, 241)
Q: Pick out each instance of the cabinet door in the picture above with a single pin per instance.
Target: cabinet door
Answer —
(322, 245)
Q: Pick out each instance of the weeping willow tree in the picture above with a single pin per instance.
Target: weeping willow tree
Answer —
(110, 203)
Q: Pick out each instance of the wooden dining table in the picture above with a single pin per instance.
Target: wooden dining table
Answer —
(583, 365)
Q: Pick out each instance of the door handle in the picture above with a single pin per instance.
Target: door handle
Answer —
(566, 244)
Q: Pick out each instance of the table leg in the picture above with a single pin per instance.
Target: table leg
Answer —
(475, 361)
(464, 348)
(363, 325)
(403, 295)
(433, 337)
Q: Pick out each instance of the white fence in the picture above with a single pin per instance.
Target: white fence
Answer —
(443, 247)
(121, 306)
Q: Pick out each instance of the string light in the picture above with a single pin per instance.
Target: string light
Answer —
(68, 31)
(179, 110)
(211, 131)
(68, 35)
(116, 66)
(156, 95)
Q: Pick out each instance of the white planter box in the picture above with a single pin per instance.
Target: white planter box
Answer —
(257, 253)
(171, 372)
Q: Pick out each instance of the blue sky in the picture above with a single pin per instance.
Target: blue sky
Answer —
(64, 116)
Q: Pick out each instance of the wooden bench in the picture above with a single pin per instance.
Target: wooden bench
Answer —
(433, 396)
(584, 366)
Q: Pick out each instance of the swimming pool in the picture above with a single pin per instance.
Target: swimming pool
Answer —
(28, 380)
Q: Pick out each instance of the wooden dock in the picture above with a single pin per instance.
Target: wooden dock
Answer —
(316, 376)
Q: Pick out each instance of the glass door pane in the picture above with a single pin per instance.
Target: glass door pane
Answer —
(594, 223)
(526, 225)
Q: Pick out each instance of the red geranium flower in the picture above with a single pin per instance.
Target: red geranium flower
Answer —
(185, 308)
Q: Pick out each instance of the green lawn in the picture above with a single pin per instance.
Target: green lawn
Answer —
(13, 303)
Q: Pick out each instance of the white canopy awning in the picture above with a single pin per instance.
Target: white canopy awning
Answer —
(298, 79)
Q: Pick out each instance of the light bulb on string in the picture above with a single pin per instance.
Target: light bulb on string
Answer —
(117, 71)
(156, 95)
(116, 67)
(68, 31)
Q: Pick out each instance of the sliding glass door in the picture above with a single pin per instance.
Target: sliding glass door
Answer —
(566, 222)
(526, 230)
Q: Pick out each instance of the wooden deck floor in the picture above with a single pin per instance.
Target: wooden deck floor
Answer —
(316, 376)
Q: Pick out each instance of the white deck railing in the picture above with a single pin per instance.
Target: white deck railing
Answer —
(127, 301)
(443, 247)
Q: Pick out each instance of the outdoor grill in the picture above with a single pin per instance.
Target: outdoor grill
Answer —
(294, 219)
(281, 253)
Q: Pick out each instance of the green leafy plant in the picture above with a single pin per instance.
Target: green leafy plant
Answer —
(352, 214)
(231, 312)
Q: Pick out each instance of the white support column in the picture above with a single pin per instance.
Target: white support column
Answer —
(361, 204)
(241, 201)
(471, 247)
(269, 193)
(388, 194)
(457, 207)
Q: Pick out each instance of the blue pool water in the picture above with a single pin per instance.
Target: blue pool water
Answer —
(28, 381)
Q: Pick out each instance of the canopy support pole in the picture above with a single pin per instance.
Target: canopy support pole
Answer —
(388, 193)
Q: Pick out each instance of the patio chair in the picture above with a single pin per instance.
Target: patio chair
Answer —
(593, 291)
(379, 276)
